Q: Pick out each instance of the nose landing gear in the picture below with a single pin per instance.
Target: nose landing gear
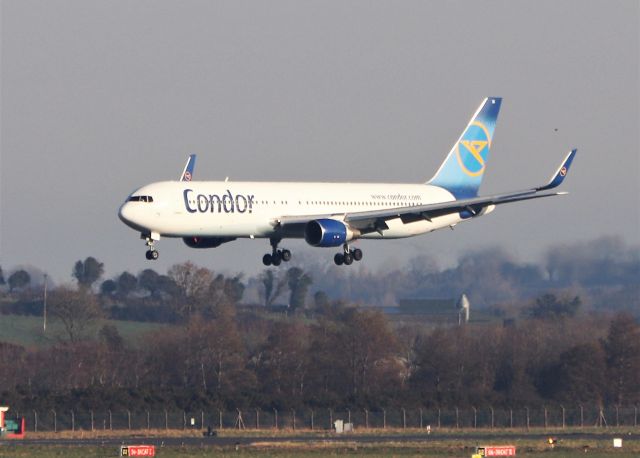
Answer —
(277, 256)
(152, 254)
(348, 256)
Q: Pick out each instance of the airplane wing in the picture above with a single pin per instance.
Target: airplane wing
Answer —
(375, 220)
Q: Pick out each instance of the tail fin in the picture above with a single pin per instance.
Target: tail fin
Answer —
(187, 173)
(462, 171)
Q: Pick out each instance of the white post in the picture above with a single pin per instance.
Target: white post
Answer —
(44, 322)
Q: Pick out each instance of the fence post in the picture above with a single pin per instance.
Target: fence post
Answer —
(457, 419)
(420, 418)
(617, 416)
(110, 421)
(492, 417)
(257, 419)
(220, 417)
(73, 421)
(293, 417)
(348, 416)
(311, 420)
(275, 419)
(527, 409)
(35, 421)
(330, 419)
(384, 419)
(184, 419)
(92, 424)
(129, 418)
(475, 418)
(581, 416)
(366, 418)
(404, 419)
(166, 419)
(202, 420)
(601, 417)
(511, 418)
(545, 417)
(55, 421)
(635, 415)
(148, 420)
(563, 418)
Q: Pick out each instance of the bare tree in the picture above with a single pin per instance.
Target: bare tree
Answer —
(193, 283)
(78, 310)
(623, 358)
(273, 286)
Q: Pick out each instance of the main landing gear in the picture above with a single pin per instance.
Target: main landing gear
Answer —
(277, 256)
(348, 256)
(151, 254)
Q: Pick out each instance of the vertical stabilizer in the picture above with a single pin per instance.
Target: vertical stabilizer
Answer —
(462, 171)
(187, 173)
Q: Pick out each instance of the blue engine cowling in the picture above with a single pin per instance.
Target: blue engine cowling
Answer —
(206, 242)
(326, 233)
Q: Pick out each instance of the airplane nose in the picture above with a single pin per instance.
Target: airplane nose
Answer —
(126, 214)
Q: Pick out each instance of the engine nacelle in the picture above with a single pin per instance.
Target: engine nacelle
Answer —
(328, 233)
(465, 214)
(206, 242)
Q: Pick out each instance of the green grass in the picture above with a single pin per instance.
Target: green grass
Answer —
(27, 330)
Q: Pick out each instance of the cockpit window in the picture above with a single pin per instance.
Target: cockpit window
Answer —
(140, 199)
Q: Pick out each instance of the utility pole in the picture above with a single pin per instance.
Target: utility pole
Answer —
(44, 322)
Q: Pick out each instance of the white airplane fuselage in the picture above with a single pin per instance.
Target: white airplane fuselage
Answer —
(252, 209)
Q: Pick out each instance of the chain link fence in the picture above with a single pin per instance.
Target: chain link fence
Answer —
(323, 419)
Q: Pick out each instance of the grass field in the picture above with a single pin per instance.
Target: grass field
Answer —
(27, 330)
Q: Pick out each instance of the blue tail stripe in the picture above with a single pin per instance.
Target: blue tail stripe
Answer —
(463, 169)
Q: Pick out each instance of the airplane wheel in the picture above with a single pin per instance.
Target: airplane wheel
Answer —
(348, 259)
(154, 254)
(357, 254)
(266, 259)
(148, 255)
(286, 255)
(338, 259)
(276, 259)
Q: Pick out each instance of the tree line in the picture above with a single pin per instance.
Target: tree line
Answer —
(605, 272)
(321, 350)
(345, 357)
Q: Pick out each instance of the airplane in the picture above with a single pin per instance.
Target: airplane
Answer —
(206, 214)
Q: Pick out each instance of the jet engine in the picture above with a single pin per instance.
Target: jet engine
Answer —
(328, 233)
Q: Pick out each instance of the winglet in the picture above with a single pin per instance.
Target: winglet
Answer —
(187, 173)
(558, 177)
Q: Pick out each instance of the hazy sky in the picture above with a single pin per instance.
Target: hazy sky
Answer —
(101, 97)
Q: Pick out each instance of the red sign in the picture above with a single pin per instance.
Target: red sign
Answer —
(500, 450)
(138, 450)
